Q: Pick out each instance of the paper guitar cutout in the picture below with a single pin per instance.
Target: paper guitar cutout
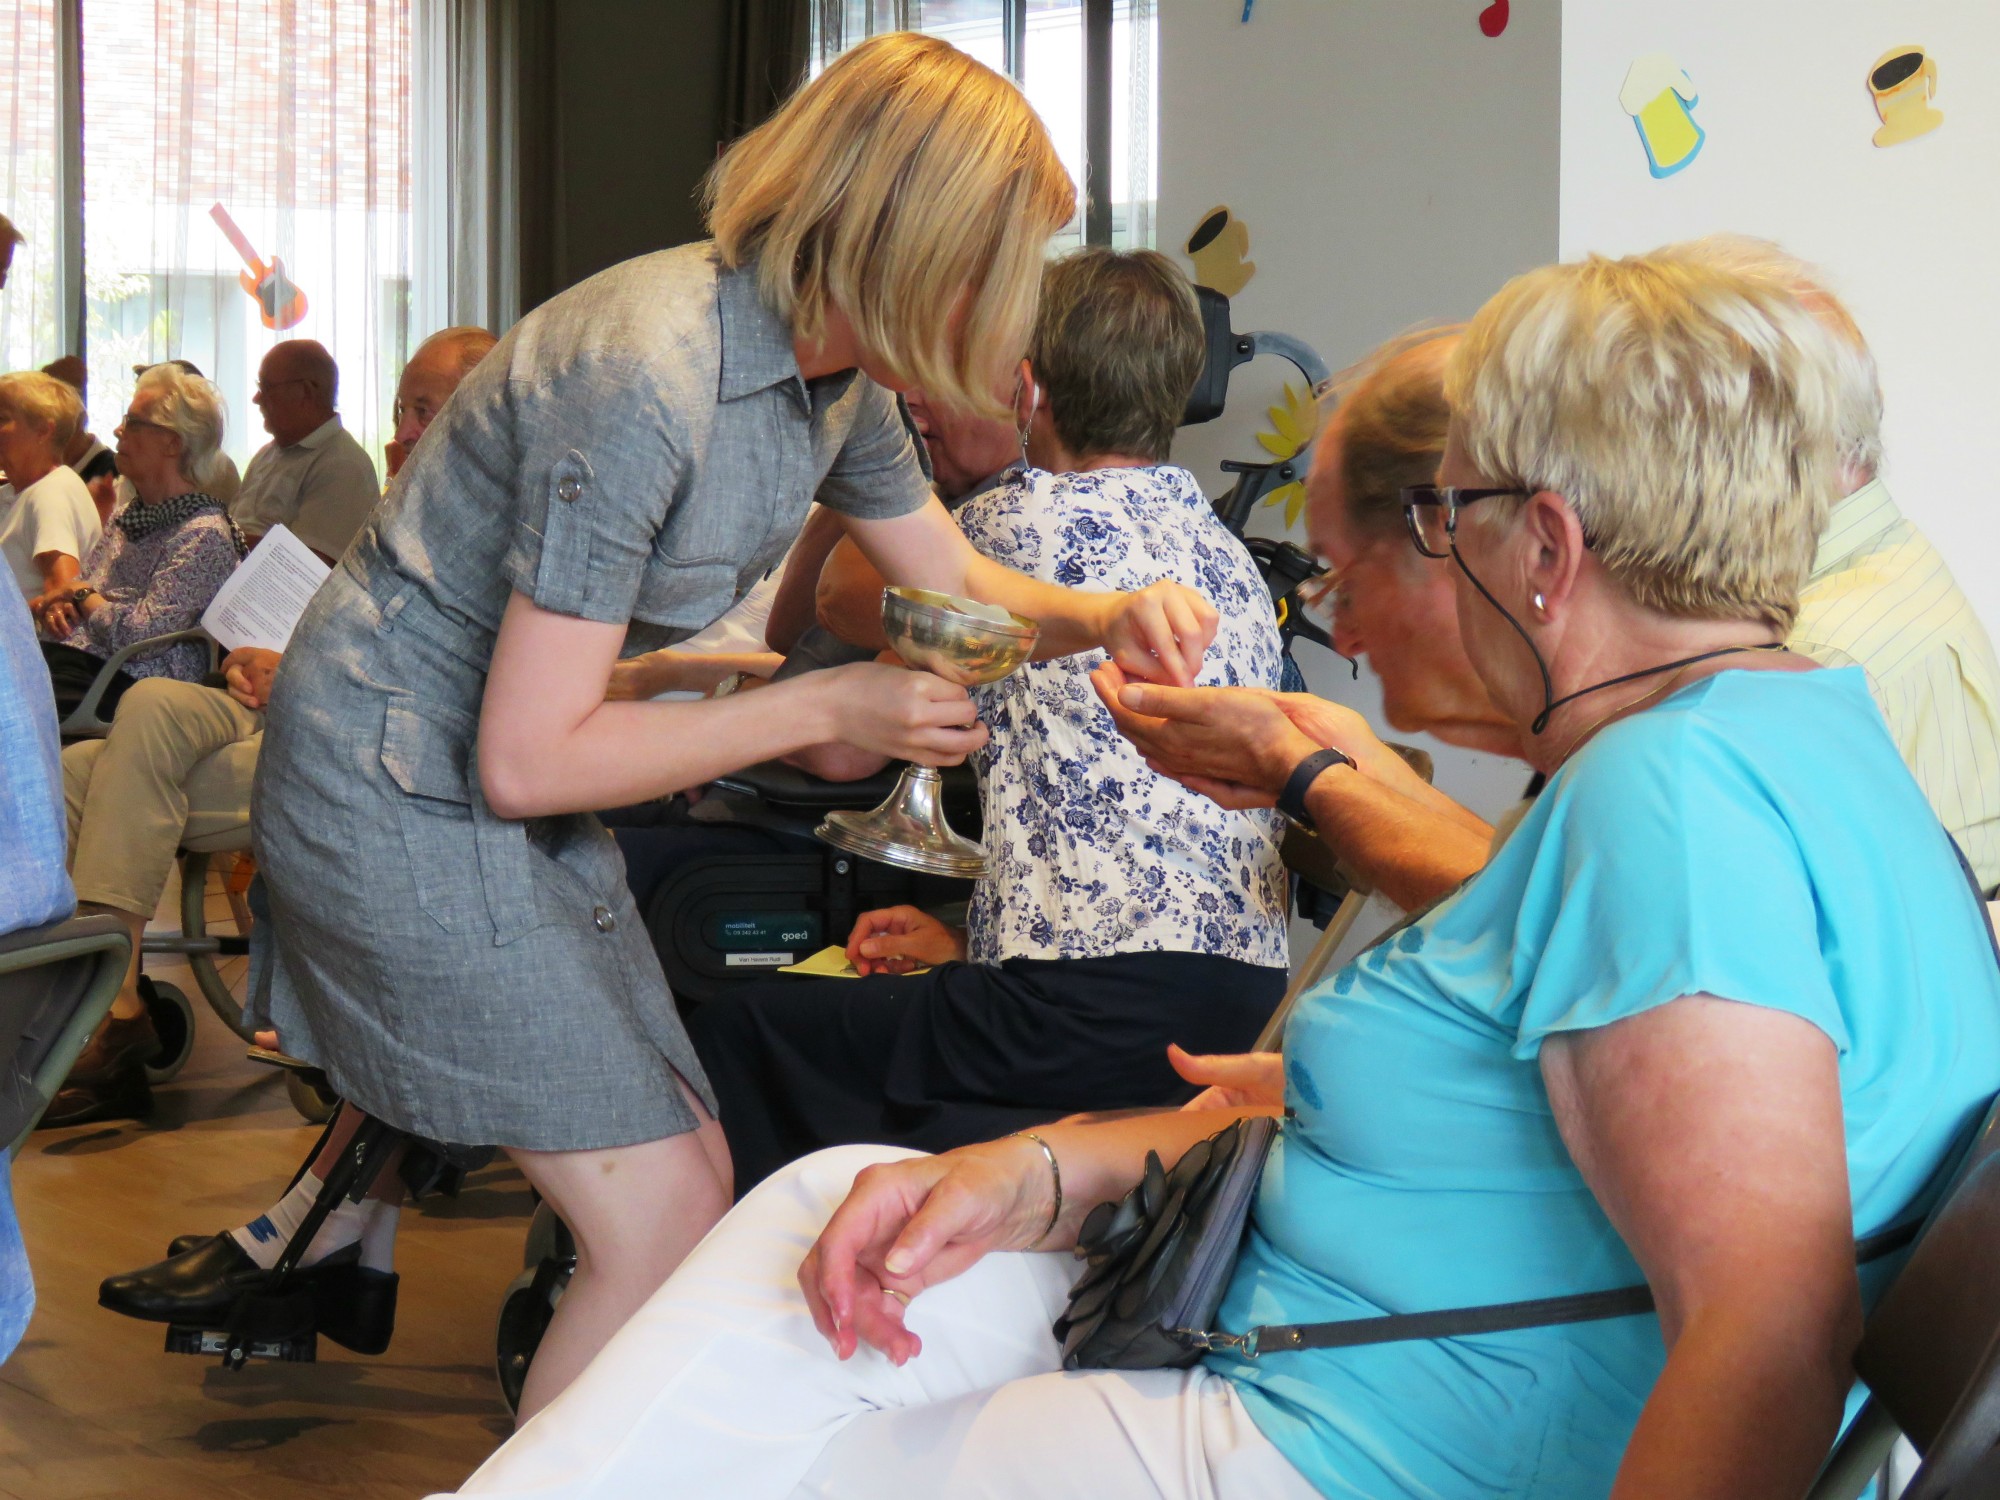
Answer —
(279, 301)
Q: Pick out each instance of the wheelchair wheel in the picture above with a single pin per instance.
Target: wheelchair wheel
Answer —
(311, 1096)
(173, 1019)
(530, 1302)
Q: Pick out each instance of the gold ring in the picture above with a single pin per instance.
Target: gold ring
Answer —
(902, 1297)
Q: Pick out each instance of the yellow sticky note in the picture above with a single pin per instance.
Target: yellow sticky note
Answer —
(829, 963)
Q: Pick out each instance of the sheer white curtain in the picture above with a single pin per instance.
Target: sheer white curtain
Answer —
(296, 117)
(1041, 44)
(467, 169)
(31, 325)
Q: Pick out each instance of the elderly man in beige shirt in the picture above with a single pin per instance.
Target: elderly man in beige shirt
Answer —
(312, 477)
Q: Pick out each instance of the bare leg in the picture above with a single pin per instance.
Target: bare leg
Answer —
(635, 1212)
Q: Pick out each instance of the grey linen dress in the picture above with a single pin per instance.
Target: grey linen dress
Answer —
(637, 451)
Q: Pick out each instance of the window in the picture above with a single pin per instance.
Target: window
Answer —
(30, 184)
(1045, 46)
(293, 118)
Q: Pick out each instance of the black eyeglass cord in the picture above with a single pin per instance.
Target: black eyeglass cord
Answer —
(1550, 703)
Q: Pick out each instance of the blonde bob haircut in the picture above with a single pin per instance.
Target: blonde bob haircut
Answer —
(1860, 382)
(1691, 417)
(43, 402)
(914, 189)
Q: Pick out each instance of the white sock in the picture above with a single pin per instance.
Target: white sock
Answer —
(264, 1238)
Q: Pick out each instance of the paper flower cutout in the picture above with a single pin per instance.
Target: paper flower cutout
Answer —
(1292, 427)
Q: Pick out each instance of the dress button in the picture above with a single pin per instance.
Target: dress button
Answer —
(569, 489)
(602, 919)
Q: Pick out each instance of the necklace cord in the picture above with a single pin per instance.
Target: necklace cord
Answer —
(1550, 703)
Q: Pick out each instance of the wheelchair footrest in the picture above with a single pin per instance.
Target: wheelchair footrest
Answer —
(295, 1349)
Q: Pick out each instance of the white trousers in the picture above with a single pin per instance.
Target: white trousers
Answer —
(721, 1387)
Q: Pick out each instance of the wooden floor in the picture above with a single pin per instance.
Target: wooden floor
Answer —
(91, 1407)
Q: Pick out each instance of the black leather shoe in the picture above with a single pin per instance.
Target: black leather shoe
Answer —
(356, 1308)
(180, 1244)
(201, 1285)
(123, 1096)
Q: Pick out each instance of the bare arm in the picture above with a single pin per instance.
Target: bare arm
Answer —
(792, 607)
(1238, 746)
(850, 597)
(1159, 633)
(550, 743)
(671, 671)
(1711, 1134)
(912, 1224)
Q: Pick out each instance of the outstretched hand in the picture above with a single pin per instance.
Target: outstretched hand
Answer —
(1234, 746)
(909, 1225)
(1161, 632)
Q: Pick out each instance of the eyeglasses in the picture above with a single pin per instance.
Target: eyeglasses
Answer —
(1322, 597)
(265, 387)
(1432, 513)
(128, 422)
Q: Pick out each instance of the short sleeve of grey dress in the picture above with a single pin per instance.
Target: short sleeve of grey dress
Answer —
(637, 451)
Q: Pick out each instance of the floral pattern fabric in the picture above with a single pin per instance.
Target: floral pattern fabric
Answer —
(1093, 854)
(156, 584)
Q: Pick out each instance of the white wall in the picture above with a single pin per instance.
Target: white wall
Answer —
(1394, 165)
(1910, 234)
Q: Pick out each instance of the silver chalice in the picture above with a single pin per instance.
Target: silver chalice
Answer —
(961, 641)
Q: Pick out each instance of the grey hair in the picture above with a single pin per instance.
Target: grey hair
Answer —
(1860, 384)
(1692, 418)
(191, 409)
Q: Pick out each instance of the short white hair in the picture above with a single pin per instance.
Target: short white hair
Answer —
(1691, 416)
(1860, 381)
(193, 410)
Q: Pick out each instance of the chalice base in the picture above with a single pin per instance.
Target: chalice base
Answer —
(908, 830)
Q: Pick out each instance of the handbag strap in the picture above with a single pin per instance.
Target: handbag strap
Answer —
(1496, 1317)
(1540, 1312)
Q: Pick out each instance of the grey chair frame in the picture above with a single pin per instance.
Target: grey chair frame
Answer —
(84, 722)
(1930, 1354)
(104, 945)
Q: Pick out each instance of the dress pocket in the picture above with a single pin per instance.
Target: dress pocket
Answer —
(472, 870)
(685, 596)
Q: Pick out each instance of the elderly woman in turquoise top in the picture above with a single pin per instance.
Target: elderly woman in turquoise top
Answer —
(1721, 1004)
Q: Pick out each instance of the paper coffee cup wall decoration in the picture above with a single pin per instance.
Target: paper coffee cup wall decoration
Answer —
(1220, 249)
(1660, 98)
(1903, 83)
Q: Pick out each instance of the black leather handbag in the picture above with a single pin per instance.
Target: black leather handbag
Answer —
(1159, 1259)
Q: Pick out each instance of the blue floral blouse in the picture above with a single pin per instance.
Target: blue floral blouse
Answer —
(1092, 853)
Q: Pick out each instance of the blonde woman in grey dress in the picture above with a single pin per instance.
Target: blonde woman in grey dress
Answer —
(451, 937)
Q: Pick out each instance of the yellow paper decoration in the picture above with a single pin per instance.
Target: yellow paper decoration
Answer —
(1292, 427)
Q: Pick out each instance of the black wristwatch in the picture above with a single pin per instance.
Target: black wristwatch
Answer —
(77, 596)
(1292, 800)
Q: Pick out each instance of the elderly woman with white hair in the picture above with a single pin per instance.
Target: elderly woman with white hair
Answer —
(163, 557)
(1721, 1005)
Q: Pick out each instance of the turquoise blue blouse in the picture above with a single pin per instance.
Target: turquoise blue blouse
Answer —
(1756, 837)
